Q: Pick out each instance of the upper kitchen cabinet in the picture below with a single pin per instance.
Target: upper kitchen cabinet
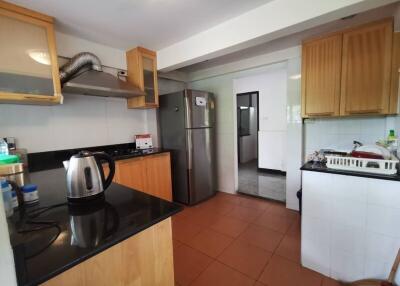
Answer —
(350, 72)
(142, 72)
(28, 59)
(366, 69)
(321, 66)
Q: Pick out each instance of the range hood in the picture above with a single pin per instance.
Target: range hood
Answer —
(83, 74)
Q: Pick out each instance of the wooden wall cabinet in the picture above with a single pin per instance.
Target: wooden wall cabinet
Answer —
(142, 72)
(350, 72)
(28, 57)
(149, 174)
(321, 67)
(366, 69)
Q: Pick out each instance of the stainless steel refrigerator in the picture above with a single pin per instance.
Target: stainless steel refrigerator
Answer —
(187, 129)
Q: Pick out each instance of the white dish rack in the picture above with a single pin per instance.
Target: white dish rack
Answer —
(377, 166)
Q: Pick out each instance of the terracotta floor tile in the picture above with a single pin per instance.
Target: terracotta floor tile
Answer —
(218, 206)
(203, 217)
(246, 258)
(184, 214)
(255, 203)
(229, 226)
(183, 230)
(221, 196)
(188, 264)
(244, 213)
(330, 282)
(176, 244)
(283, 272)
(281, 210)
(278, 223)
(222, 207)
(258, 283)
(295, 228)
(220, 275)
(262, 237)
(210, 242)
(290, 248)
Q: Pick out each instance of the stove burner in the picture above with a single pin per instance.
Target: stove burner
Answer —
(123, 152)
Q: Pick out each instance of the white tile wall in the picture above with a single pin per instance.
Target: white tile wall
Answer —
(82, 121)
(350, 225)
(339, 133)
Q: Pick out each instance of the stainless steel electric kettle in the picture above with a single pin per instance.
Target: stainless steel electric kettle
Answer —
(85, 175)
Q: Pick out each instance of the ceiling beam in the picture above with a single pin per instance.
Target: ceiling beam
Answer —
(270, 21)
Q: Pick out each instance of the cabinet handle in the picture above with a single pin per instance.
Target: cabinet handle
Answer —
(364, 111)
(319, 114)
(38, 98)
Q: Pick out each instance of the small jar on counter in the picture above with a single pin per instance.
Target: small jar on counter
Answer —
(30, 193)
(7, 198)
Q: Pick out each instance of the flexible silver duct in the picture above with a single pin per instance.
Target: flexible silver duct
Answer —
(84, 60)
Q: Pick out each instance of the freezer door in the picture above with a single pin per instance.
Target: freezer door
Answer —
(200, 156)
(199, 107)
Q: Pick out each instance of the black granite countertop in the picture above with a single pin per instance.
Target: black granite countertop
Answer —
(321, 167)
(76, 233)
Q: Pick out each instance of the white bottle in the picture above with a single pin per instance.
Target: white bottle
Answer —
(3, 147)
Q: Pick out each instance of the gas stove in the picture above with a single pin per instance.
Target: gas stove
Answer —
(124, 152)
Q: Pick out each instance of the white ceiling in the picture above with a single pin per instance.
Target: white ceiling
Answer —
(296, 38)
(124, 24)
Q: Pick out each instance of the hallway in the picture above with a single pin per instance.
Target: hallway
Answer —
(258, 183)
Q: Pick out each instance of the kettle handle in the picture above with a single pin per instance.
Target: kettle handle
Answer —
(99, 156)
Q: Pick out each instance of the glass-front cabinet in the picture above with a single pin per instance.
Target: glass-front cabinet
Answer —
(28, 59)
(142, 72)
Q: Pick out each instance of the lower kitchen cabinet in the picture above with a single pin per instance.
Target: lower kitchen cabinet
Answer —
(130, 173)
(158, 175)
(149, 174)
(143, 259)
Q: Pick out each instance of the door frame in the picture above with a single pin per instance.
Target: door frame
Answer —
(237, 120)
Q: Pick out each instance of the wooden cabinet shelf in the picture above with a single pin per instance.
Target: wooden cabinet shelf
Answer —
(142, 72)
(28, 58)
(350, 72)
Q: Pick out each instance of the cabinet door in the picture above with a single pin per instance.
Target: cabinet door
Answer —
(149, 67)
(321, 66)
(158, 173)
(366, 69)
(28, 60)
(142, 72)
(131, 173)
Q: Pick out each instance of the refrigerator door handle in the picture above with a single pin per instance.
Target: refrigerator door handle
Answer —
(189, 148)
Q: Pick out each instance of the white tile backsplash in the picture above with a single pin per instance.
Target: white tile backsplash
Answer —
(339, 133)
(82, 121)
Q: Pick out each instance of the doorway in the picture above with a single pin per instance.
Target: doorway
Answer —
(253, 180)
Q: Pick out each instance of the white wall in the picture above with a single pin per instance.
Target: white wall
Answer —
(294, 147)
(272, 87)
(272, 115)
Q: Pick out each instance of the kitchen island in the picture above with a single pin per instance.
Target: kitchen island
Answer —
(350, 222)
(123, 239)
